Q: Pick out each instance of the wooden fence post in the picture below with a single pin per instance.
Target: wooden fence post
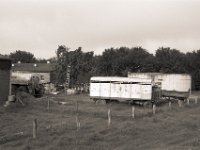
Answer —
(196, 100)
(109, 116)
(133, 112)
(180, 103)
(188, 101)
(154, 108)
(78, 124)
(48, 103)
(170, 104)
(35, 128)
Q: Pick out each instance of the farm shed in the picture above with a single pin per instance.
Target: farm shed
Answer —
(24, 71)
(5, 67)
(120, 88)
(172, 85)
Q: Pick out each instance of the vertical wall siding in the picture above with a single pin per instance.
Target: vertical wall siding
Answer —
(176, 82)
(169, 82)
(4, 84)
(120, 91)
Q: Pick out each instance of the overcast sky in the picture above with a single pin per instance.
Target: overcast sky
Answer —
(39, 26)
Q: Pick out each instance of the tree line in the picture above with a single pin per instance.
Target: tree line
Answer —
(117, 62)
(120, 61)
(25, 57)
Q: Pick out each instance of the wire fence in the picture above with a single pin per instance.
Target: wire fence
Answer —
(73, 117)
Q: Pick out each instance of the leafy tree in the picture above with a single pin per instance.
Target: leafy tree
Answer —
(171, 60)
(121, 60)
(193, 67)
(80, 65)
(23, 56)
(52, 59)
(62, 63)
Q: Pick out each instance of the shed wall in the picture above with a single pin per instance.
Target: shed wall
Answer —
(5, 66)
(19, 76)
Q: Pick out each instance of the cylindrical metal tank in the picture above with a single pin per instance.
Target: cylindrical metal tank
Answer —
(5, 67)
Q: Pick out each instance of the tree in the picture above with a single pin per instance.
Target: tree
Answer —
(22, 56)
(80, 65)
(121, 60)
(62, 63)
(171, 60)
(53, 59)
(193, 67)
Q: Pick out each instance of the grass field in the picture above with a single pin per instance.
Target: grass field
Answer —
(175, 129)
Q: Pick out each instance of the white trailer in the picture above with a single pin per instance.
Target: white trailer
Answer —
(120, 88)
(172, 85)
(176, 85)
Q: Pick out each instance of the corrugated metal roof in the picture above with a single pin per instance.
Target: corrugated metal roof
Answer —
(30, 67)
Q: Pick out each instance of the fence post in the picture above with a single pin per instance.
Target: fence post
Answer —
(188, 101)
(109, 116)
(154, 108)
(179, 103)
(196, 100)
(133, 111)
(35, 128)
(48, 103)
(170, 104)
(78, 124)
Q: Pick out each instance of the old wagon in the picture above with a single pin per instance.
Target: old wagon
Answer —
(120, 88)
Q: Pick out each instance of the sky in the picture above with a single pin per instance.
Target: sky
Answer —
(39, 26)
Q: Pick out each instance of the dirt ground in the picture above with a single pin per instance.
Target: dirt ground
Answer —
(175, 129)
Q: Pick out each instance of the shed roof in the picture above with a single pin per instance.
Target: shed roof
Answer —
(30, 67)
(4, 57)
